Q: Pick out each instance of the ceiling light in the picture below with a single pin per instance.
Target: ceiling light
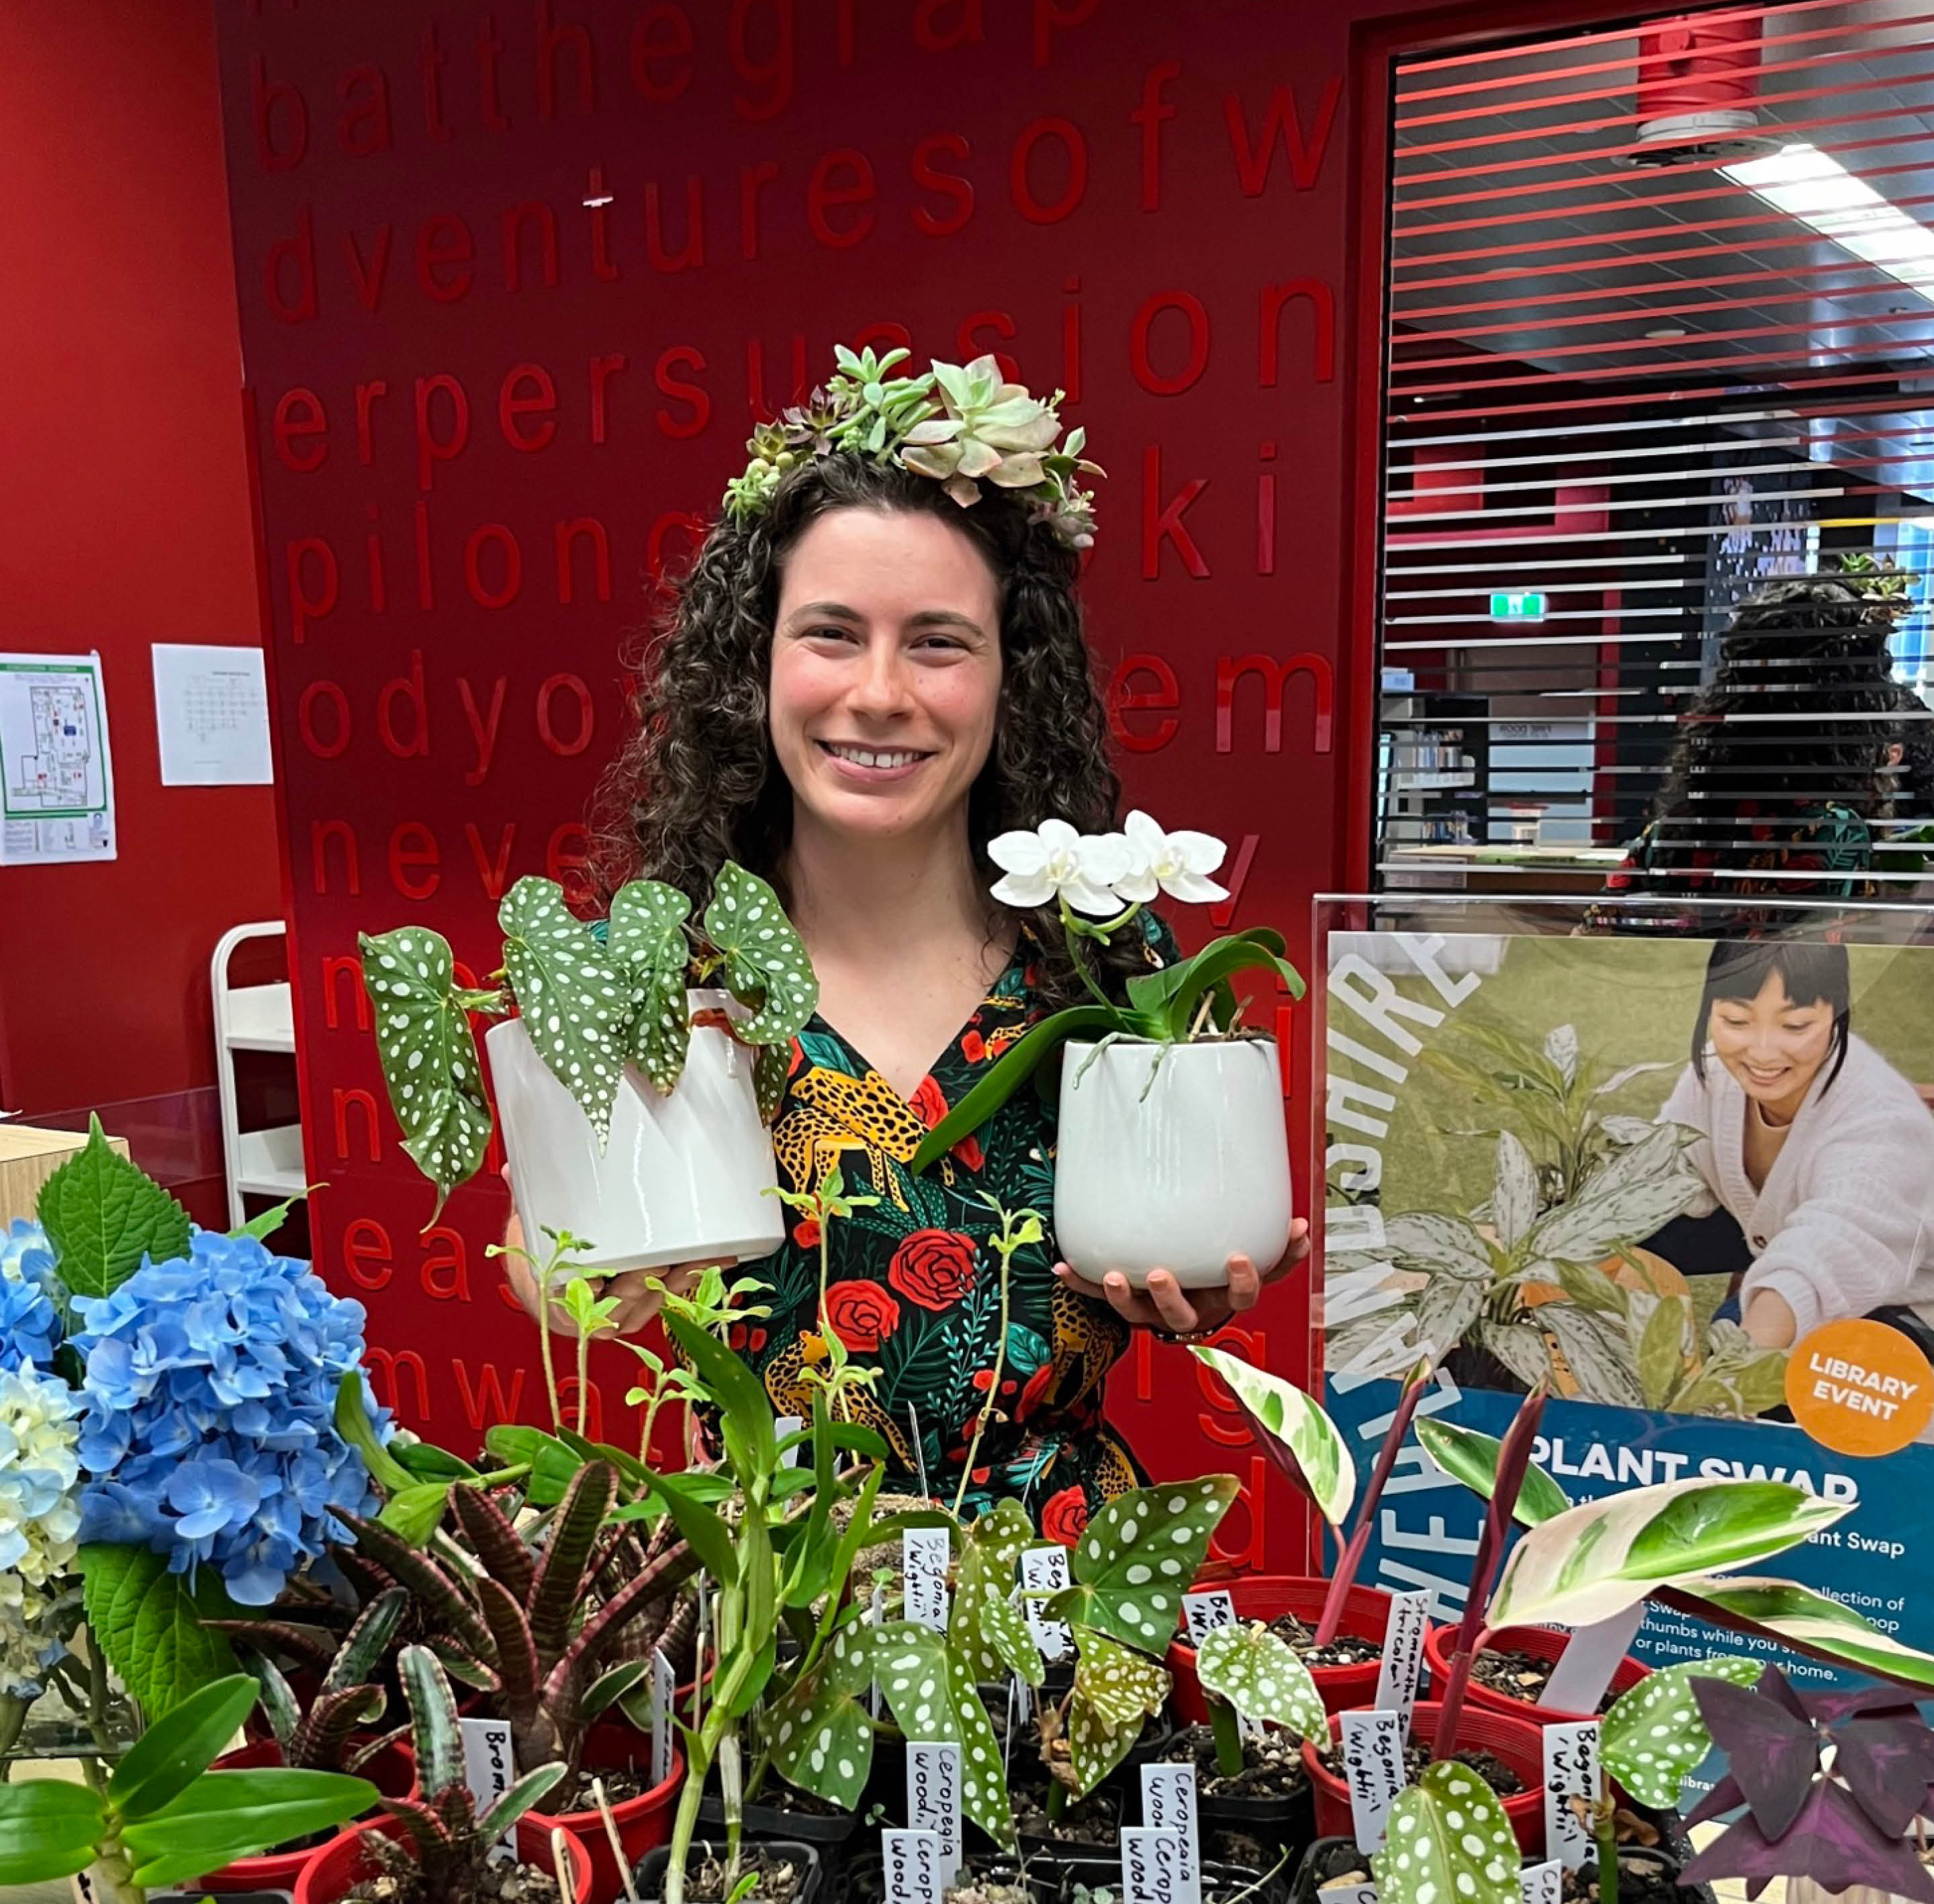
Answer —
(1814, 187)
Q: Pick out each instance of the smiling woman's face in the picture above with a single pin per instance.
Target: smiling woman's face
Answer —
(1772, 1047)
(886, 672)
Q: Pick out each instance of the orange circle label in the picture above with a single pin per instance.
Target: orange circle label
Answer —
(1860, 1388)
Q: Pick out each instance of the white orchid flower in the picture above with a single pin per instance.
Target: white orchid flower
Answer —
(1177, 864)
(1054, 862)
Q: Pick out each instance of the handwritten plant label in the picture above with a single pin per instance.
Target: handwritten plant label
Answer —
(488, 1769)
(933, 1798)
(1403, 1654)
(784, 1425)
(1044, 1570)
(1151, 1866)
(925, 1554)
(1572, 1769)
(1205, 1612)
(1169, 1804)
(876, 1615)
(912, 1861)
(1543, 1883)
(1373, 1769)
(664, 1685)
(1347, 1893)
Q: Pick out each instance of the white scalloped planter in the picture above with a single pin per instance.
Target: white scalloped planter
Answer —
(1180, 1173)
(683, 1177)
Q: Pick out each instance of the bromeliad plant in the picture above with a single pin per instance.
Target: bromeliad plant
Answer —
(1101, 883)
(592, 998)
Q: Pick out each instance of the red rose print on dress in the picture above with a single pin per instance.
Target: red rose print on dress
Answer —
(929, 1103)
(1065, 1516)
(934, 1268)
(861, 1314)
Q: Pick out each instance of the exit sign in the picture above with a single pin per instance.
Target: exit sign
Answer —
(1517, 605)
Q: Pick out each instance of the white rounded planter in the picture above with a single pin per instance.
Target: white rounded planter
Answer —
(683, 1177)
(1180, 1171)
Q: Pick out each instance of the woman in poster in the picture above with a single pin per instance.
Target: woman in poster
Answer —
(1820, 1152)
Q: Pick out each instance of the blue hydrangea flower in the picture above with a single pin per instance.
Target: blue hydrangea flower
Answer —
(208, 1431)
(29, 1320)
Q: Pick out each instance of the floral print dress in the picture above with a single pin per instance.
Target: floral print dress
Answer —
(913, 1282)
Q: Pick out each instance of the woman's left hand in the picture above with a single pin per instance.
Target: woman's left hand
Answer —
(1166, 1307)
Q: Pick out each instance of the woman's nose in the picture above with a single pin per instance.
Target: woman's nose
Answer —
(881, 687)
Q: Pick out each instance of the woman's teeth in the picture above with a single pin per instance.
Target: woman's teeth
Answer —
(861, 756)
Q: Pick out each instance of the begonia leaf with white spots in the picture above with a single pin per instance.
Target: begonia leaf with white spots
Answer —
(429, 1054)
(1094, 1748)
(1124, 1687)
(1258, 1672)
(1654, 1735)
(988, 1627)
(1448, 1841)
(764, 957)
(645, 941)
(820, 1734)
(771, 1066)
(1138, 1556)
(933, 1697)
(569, 995)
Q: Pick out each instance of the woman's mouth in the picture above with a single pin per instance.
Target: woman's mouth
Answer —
(1764, 1078)
(872, 764)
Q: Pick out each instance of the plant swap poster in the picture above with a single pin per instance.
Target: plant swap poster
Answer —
(1688, 1183)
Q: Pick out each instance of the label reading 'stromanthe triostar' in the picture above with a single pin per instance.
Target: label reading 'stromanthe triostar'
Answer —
(1543, 1883)
(1151, 1866)
(488, 1769)
(1572, 1771)
(664, 1684)
(912, 1863)
(1168, 1804)
(1044, 1570)
(1206, 1611)
(1403, 1654)
(925, 1553)
(933, 1798)
(1373, 1769)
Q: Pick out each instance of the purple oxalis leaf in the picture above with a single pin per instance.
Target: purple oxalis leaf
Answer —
(1832, 1841)
(1724, 1797)
(1888, 1764)
(1772, 1755)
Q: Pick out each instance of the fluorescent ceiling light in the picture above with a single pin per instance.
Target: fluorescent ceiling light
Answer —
(1814, 187)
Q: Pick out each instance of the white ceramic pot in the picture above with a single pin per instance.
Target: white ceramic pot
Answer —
(683, 1177)
(1180, 1173)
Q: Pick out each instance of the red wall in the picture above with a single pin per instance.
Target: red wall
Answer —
(124, 521)
(1151, 206)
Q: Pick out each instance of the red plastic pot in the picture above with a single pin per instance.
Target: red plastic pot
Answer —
(1515, 1740)
(345, 1861)
(393, 1772)
(1268, 1596)
(1544, 1643)
(644, 1823)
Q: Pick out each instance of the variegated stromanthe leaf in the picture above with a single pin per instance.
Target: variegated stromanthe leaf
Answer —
(1300, 1437)
(1811, 1623)
(1257, 1672)
(1468, 1456)
(763, 955)
(1448, 1839)
(647, 943)
(1137, 1557)
(1654, 1734)
(570, 998)
(429, 1054)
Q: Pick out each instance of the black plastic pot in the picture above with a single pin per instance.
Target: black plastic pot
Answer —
(1218, 1880)
(1041, 1843)
(649, 1876)
(768, 1824)
(864, 1880)
(1325, 1859)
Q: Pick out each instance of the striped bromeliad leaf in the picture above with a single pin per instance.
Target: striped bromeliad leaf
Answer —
(1654, 1735)
(1448, 1838)
(1807, 1622)
(1602, 1556)
(1292, 1431)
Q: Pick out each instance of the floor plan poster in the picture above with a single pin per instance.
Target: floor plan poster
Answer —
(57, 779)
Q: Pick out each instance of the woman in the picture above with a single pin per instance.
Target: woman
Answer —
(864, 682)
(1816, 1147)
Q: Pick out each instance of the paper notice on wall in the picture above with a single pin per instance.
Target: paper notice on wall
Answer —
(212, 715)
(56, 780)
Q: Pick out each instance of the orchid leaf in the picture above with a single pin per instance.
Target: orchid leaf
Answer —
(1292, 1431)
(1655, 1734)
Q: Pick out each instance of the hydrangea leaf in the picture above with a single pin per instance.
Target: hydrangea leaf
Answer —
(932, 1695)
(1137, 1557)
(988, 1628)
(569, 997)
(821, 1733)
(1447, 1838)
(429, 1054)
(646, 942)
(149, 1623)
(1292, 1431)
(103, 1214)
(1654, 1734)
(1257, 1672)
(764, 957)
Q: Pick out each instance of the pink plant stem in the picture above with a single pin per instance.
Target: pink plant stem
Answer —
(1345, 1577)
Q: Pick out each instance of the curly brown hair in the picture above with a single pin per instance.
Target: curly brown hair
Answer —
(698, 782)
